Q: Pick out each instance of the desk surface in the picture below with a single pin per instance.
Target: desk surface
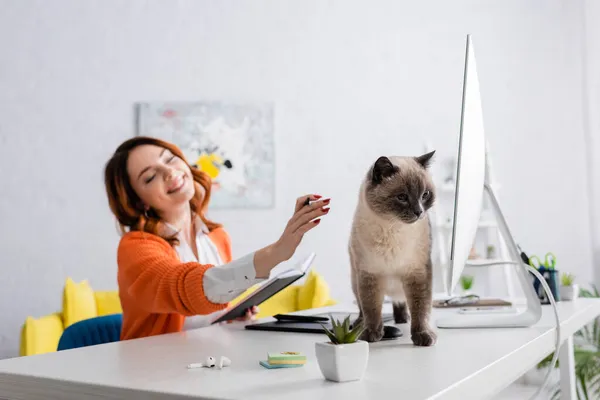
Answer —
(463, 364)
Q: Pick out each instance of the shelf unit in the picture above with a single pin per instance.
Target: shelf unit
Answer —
(487, 234)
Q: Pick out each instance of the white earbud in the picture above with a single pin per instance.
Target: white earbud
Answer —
(224, 362)
(210, 363)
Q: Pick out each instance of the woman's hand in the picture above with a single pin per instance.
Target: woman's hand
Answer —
(250, 315)
(305, 217)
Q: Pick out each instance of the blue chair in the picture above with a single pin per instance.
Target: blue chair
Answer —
(92, 331)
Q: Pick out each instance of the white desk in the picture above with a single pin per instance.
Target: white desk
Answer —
(464, 364)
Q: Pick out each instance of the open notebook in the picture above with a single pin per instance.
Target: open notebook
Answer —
(266, 290)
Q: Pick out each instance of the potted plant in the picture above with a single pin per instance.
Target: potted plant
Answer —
(344, 357)
(568, 289)
(491, 252)
(466, 282)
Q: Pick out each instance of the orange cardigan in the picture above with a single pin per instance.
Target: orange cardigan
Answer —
(156, 289)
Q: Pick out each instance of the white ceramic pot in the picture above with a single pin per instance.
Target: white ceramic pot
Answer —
(342, 362)
(569, 292)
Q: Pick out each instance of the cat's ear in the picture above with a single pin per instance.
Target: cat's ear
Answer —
(425, 159)
(382, 169)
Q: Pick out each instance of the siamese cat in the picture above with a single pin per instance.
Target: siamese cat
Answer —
(390, 246)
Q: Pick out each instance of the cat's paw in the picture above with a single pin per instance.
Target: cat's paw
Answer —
(358, 320)
(402, 319)
(425, 337)
(372, 334)
(401, 315)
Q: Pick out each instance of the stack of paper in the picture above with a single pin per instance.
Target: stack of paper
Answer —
(286, 359)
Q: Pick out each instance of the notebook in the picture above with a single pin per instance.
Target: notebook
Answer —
(285, 325)
(265, 290)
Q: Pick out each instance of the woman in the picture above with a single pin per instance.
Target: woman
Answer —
(174, 263)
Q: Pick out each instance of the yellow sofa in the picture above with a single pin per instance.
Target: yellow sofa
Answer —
(80, 301)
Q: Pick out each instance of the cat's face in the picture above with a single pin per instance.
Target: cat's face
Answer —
(401, 187)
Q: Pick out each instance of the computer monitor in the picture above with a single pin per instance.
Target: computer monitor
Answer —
(470, 187)
(470, 171)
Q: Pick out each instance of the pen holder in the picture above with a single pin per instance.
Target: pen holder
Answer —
(551, 277)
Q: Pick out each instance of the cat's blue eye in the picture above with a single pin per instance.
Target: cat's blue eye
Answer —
(403, 197)
(426, 194)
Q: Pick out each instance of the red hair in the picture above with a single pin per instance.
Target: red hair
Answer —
(127, 206)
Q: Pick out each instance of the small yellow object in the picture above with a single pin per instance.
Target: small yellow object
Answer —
(210, 164)
(286, 358)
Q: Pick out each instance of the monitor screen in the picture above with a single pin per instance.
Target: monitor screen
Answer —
(470, 172)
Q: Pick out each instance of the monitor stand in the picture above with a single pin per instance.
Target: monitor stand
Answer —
(533, 309)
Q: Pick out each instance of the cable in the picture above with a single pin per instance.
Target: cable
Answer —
(525, 262)
(557, 343)
(539, 277)
(492, 263)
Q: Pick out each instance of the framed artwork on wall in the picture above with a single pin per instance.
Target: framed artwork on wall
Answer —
(231, 142)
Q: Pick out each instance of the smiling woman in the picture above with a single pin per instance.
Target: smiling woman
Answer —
(174, 263)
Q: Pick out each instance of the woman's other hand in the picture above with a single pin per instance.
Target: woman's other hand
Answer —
(305, 217)
(250, 315)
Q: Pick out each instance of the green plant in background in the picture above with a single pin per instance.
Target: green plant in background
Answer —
(587, 357)
(567, 279)
(491, 251)
(342, 333)
(466, 281)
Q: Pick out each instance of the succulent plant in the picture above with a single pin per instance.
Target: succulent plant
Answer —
(342, 332)
(466, 282)
(567, 279)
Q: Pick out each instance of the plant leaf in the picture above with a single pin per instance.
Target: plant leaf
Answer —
(595, 384)
(338, 329)
(355, 333)
(330, 334)
(583, 385)
(596, 334)
(347, 325)
(546, 361)
(584, 333)
(334, 327)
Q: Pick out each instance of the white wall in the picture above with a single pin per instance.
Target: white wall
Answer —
(351, 80)
(592, 93)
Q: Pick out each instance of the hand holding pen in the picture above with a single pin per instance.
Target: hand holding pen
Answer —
(307, 215)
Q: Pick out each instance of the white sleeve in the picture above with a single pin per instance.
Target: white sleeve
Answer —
(196, 321)
(225, 282)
